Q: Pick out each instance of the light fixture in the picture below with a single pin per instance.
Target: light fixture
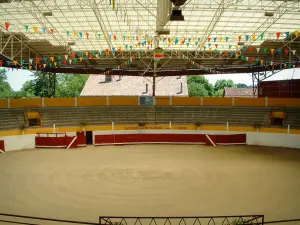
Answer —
(176, 15)
(47, 13)
(163, 32)
(71, 43)
(269, 14)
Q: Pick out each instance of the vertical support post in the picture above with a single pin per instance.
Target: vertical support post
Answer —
(139, 101)
(112, 126)
(201, 100)
(266, 101)
(170, 125)
(75, 102)
(54, 129)
(289, 130)
(107, 100)
(227, 126)
(232, 101)
(43, 102)
(171, 100)
(8, 103)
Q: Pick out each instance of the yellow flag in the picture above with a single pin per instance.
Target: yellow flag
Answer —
(236, 47)
(261, 61)
(30, 67)
(297, 33)
(55, 63)
(86, 53)
(209, 49)
(52, 58)
(105, 37)
(285, 65)
(221, 38)
(272, 50)
(202, 44)
(15, 62)
(253, 37)
(35, 29)
(80, 59)
(236, 55)
(75, 34)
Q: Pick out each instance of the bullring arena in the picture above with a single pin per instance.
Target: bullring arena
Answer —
(149, 112)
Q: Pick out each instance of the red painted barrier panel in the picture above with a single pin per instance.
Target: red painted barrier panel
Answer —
(210, 140)
(51, 140)
(2, 147)
(69, 140)
(81, 138)
(231, 139)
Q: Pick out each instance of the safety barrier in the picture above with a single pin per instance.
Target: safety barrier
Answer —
(207, 139)
(160, 101)
(2, 147)
(59, 140)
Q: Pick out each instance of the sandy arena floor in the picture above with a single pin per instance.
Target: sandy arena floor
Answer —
(151, 180)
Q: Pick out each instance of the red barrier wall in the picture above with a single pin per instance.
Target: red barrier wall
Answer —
(169, 138)
(69, 140)
(50, 141)
(81, 139)
(2, 147)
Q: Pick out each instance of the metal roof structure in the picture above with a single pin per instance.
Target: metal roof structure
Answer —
(96, 36)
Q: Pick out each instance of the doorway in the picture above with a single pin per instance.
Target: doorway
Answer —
(89, 137)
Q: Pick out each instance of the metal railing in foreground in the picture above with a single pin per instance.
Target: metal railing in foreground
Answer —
(111, 220)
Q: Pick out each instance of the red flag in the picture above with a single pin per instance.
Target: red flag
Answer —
(240, 37)
(137, 38)
(120, 66)
(6, 25)
(1, 63)
(91, 57)
(286, 51)
(216, 45)
(40, 66)
(209, 39)
(38, 60)
(51, 30)
(115, 37)
(65, 61)
(87, 35)
(226, 53)
(73, 55)
(250, 49)
(278, 34)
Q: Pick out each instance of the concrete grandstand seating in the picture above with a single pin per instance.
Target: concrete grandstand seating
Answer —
(72, 116)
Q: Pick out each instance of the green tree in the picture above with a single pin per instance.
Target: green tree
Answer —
(200, 84)
(27, 90)
(239, 85)
(5, 88)
(197, 90)
(221, 84)
(69, 85)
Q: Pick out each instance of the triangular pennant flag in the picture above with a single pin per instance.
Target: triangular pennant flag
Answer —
(242, 57)
(80, 59)
(30, 61)
(44, 65)
(6, 25)
(44, 29)
(257, 50)
(35, 29)
(52, 58)
(287, 34)
(68, 33)
(261, 36)
(278, 35)
(215, 39)
(37, 60)
(227, 38)
(279, 51)
(99, 36)
(296, 33)
(247, 37)
(230, 46)
(45, 59)
(236, 47)
(226, 53)
(86, 53)
(261, 61)
(55, 63)
(87, 35)
(209, 39)
(15, 62)
(239, 37)
(272, 50)
(253, 37)
(59, 57)
(70, 61)
(75, 34)
(66, 57)
(65, 62)
(80, 34)
(30, 67)
(51, 31)
(26, 28)
(250, 49)
(265, 50)
(216, 45)
(294, 51)
(75, 60)
(286, 51)
(22, 62)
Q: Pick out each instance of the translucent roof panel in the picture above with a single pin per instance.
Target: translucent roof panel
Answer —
(132, 24)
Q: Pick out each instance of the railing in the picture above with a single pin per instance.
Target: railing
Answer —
(113, 220)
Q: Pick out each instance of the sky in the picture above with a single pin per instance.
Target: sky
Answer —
(17, 78)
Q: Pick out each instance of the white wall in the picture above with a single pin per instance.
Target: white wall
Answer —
(19, 142)
(273, 139)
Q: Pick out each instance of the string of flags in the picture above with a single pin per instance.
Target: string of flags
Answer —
(145, 39)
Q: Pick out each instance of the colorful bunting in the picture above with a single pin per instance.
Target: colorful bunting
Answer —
(6, 25)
